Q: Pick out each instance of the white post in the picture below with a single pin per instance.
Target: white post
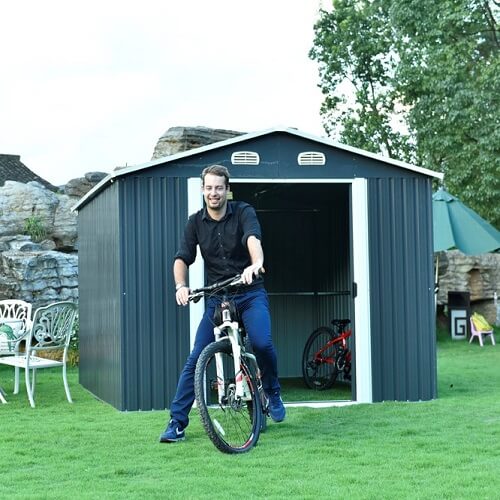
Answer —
(196, 270)
(361, 263)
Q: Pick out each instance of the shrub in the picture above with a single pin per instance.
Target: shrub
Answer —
(34, 227)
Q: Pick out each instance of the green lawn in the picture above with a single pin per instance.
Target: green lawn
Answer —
(447, 448)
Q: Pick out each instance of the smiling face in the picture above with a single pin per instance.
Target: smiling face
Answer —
(215, 193)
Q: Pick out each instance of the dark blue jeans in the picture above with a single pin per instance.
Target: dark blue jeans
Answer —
(253, 308)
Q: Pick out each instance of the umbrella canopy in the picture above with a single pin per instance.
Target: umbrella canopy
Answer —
(457, 226)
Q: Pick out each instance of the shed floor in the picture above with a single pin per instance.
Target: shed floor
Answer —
(295, 390)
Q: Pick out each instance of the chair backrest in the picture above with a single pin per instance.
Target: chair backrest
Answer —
(15, 321)
(472, 327)
(480, 323)
(52, 326)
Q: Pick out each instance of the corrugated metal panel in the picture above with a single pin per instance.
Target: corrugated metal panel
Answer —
(99, 297)
(155, 330)
(294, 318)
(403, 330)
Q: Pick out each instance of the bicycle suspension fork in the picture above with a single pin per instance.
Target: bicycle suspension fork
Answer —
(230, 329)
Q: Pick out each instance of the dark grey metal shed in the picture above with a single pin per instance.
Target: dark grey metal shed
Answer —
(345, 233)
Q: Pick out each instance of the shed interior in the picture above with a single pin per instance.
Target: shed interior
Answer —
(308, 260)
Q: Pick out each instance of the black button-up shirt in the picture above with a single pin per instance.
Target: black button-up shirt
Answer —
(223, 243)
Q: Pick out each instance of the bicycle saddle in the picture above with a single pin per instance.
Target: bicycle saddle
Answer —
(340, 323)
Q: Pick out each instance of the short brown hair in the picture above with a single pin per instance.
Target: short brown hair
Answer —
(217, 170)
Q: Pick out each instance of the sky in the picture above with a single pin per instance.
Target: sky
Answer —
(90, 85)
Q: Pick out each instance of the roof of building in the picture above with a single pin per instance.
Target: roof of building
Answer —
(13, 169)
(245, 137)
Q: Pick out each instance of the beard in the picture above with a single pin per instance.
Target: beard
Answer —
(216, 203)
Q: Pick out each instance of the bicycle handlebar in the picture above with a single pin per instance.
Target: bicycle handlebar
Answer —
(197, 294)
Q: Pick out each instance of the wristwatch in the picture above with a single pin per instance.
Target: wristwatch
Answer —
(178, 286)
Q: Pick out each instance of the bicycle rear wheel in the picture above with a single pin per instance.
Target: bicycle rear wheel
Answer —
(232, 424)
(319, 366)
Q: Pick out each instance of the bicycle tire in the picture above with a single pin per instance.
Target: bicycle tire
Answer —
(232, 425)
(319, 370)
(264, 401)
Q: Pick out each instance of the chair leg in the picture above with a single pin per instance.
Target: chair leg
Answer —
(66, 386)
(481, 339)
(28, 386)
(16, 380)
(2, 399)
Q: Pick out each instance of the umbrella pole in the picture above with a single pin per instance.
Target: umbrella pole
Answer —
(436, 287)
(437, 271)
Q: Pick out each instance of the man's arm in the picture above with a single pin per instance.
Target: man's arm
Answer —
(180, 278)
(256, 256)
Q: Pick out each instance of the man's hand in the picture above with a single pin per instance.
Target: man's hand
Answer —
(250, 272)
(181, 296)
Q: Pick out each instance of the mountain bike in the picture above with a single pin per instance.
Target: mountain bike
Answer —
(228, 388)
(326, 354)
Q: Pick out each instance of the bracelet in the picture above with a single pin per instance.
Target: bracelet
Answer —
(179, 286)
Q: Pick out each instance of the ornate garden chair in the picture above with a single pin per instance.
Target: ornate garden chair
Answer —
(15, 322)
(51, 330)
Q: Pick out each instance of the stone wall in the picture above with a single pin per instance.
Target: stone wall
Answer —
(38, 240)
(477, 274)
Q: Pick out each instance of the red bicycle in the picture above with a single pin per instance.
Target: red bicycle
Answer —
(326, 354)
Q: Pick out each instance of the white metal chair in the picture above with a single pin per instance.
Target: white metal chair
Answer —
(15, 322)
(474, 332)
(51, 330)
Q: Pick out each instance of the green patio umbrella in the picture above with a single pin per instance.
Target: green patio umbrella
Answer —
(457, 226)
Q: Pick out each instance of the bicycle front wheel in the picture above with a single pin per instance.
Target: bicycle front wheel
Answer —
(319, 366)
(232, 423)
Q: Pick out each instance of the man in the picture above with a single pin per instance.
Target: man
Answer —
(229, 237)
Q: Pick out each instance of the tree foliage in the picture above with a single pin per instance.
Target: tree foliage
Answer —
(417, 80)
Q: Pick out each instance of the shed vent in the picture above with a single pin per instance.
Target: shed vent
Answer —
(245, 158)
(311, 158)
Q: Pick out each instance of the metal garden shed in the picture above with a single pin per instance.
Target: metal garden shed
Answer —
(345, 233)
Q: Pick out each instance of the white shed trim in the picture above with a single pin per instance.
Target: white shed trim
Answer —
(360, 271)
(196, 270)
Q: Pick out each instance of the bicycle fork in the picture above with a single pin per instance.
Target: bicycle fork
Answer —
(229, 329)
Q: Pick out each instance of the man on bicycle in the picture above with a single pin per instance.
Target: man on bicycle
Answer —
(229, 237)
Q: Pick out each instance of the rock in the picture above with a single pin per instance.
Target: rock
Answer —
(20, 202)
(477, 274)
(177, 139)
(38, 240)
(65, 228)
(82, 185)
(38, 277)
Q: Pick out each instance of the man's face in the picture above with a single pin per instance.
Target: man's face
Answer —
(215, 192)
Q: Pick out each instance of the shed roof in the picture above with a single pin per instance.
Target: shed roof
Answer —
(13, 169)
(245, 137)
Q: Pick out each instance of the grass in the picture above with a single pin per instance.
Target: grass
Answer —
(446, 448)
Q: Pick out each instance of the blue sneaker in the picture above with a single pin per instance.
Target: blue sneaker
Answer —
(173, 433)
(276, 407)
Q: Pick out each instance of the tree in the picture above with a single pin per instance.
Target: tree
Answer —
(426, 82)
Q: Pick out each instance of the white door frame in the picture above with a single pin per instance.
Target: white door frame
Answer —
(361, 271)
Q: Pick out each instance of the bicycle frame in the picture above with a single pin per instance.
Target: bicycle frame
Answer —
(229, 329)
(342, 338)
